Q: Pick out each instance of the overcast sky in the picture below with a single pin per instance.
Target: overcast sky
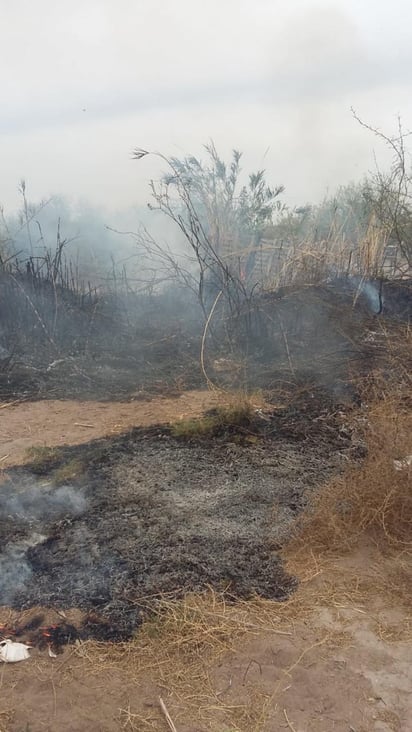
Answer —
(85, 81)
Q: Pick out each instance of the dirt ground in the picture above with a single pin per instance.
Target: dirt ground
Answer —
(334, 656)
(330, 660)
(58, 422)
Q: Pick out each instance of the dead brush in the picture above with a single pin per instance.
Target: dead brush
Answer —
(392, 378)
(372, 501)
(308, 260)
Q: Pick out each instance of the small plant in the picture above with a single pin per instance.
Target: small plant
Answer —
(189, 428)
(68, 471)
(42, 458)
(234, 415)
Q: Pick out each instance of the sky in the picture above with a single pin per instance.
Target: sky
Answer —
(84, 82)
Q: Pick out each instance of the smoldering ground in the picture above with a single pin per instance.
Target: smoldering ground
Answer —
(153, 514)
(27, 509)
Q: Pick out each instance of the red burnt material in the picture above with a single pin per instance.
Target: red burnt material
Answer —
(57, 636)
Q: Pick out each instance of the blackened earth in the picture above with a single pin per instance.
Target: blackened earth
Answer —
(152, 514)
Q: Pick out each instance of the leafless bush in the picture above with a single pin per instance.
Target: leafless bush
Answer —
(390, 193)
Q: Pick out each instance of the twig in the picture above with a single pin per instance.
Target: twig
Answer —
(167, 715)
(10, 404)
(83, 424)
(4, 457)
(54, 697)
(285, 340)
(289, 723)
(252, 660)
(69, 655)
(202, 350)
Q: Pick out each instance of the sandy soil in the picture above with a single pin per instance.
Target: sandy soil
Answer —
(59, 422)
(341, 661)
(343, 665)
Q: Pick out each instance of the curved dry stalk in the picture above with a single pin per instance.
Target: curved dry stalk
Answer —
(209, 382)
(167, 715)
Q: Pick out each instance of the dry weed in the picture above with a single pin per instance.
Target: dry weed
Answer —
(6, 718)
(237, 410)
(374, 500)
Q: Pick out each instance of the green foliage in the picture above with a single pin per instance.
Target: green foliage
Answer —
(223, 206)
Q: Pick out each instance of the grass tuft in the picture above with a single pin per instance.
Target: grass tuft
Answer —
(236, 414)
(42, 458)
(69, 471)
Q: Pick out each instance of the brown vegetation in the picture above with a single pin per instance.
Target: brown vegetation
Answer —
(237, 412)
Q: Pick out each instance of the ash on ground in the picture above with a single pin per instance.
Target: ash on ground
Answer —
(153, 514)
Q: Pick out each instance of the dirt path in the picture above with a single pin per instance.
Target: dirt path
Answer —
(57, 422)
(336, 658)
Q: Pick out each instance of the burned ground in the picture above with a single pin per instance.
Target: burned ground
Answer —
(149, 514)
(122, 346)
(101, 347)
(154, 515)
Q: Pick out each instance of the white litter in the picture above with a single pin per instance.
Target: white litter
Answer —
(403, 464)
(11, 652)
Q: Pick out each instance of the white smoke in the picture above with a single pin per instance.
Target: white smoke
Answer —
(15, 571)
(36, 505)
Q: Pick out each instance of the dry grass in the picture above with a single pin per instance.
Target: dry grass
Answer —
(177, 650)
(182, 649)
(183, 646)
(373, 501)
(42, 458)
(68, 471)
(352, 551)
(237, 411)
(307, 261)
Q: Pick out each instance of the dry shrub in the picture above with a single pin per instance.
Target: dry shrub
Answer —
(371, 501)
(391, 378)
(309, 260)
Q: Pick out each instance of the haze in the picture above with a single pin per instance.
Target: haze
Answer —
(85, 82)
